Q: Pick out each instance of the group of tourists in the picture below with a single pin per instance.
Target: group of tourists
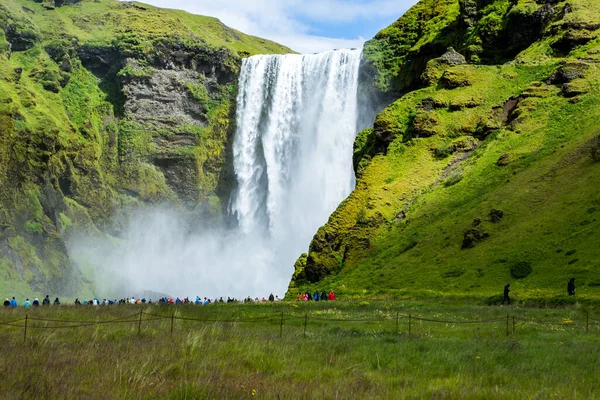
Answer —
(27, 303)
(307, 296)
(133, 300)
(570, 291)
(206, 301)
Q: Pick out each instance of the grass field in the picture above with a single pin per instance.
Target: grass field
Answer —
(340, 355)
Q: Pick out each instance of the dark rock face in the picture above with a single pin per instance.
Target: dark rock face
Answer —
(313, 271)
(170, 101)
(496, 216)
(21, 37)
(568, 72)
(472, 237)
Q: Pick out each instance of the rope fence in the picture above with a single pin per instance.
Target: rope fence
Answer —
(42, 323)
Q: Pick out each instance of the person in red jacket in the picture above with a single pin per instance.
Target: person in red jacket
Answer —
(331, 296)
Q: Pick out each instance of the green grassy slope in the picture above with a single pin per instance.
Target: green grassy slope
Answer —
(74, 153)
(103, 20)
(473, 138)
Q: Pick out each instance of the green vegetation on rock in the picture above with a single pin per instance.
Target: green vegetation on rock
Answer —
(482, 171)
(105, 105)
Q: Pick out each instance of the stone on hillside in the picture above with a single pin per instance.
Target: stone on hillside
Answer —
(472, 237)
(426, 124)
(568, 72)
(457, 105)
(452, 57)
(496, 215)
(505, 159)
(576, 34)
(436, 67)
(575, 88)
(430, 104)
(455, 78)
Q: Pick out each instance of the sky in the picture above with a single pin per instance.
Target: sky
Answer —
(306, 26)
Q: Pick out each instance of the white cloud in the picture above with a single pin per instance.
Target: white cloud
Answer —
(289, 21)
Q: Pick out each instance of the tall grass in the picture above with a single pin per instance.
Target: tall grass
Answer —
(335, 359)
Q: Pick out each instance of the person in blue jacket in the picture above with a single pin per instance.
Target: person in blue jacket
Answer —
(13, 302)
(316, 296)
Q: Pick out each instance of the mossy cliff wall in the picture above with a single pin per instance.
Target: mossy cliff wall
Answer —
(483, 164)
(106, 106)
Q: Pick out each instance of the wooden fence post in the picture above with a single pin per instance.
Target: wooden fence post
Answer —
(397, 317)
(409, 324)
(172, 322)
(513, 324)
(587, 323)
(507, 319)
(140, 323)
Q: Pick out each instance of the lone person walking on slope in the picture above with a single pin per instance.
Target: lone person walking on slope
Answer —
(571, 287)
(506, 297)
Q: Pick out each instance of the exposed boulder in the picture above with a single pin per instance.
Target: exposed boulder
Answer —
(452, 57)
(568, 72)
(575, 88)
(457, 77)
(437, 66)
(472, 237)
(426, 124)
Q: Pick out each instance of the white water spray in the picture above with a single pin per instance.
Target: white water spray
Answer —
(296, 124)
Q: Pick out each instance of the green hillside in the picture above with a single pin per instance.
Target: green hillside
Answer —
(107, 106)
(486, 168)
(104, 21)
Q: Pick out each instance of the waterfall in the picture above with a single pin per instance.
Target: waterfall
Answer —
(296, 124)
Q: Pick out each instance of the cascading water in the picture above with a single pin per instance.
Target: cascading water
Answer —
(296, 124)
